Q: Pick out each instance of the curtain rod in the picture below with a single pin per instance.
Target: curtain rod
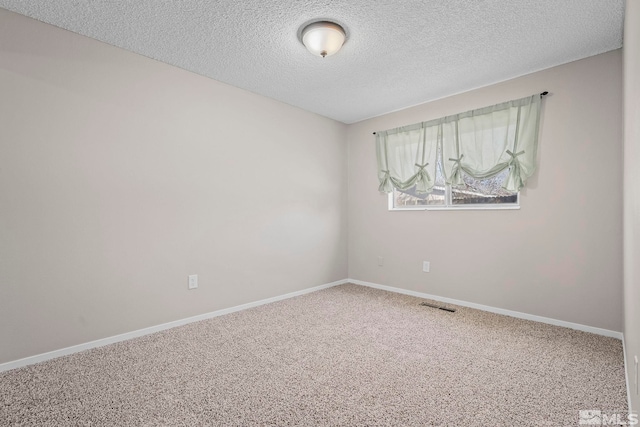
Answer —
(545, 93)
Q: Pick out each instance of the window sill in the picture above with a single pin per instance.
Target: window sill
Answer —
(457, 208)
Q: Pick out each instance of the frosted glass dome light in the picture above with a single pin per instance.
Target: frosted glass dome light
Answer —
(323, 38)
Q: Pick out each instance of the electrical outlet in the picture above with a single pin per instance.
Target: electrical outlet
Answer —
(380, 261)
(426, 266)
(193, 281)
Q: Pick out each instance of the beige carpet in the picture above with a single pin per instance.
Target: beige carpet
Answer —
(344, 356)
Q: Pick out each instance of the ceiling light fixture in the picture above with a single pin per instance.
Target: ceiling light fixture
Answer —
(323, 38)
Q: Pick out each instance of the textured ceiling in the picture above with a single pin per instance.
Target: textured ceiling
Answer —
(398, 53)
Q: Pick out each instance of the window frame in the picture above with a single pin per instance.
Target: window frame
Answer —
(449, 206)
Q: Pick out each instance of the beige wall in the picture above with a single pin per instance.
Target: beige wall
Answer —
(632, 191)
(120, 175)
(560, 255)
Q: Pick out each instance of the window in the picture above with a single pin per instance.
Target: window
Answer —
(479, 159)
(473, 194)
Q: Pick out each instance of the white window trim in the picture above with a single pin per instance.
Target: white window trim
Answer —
(451, 207)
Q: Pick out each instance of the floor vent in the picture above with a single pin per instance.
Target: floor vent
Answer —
(440, 307)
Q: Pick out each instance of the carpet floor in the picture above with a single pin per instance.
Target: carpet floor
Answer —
(343, 356)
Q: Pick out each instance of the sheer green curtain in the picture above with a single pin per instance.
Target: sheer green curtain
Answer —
(481, 143)
(406, 157)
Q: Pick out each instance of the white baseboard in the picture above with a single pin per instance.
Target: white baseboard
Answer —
(626, 375)
(519, 315)
(146, 331)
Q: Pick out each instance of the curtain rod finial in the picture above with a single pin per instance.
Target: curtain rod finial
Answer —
(545, 93)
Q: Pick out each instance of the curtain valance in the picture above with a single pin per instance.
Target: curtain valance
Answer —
(481, 143)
